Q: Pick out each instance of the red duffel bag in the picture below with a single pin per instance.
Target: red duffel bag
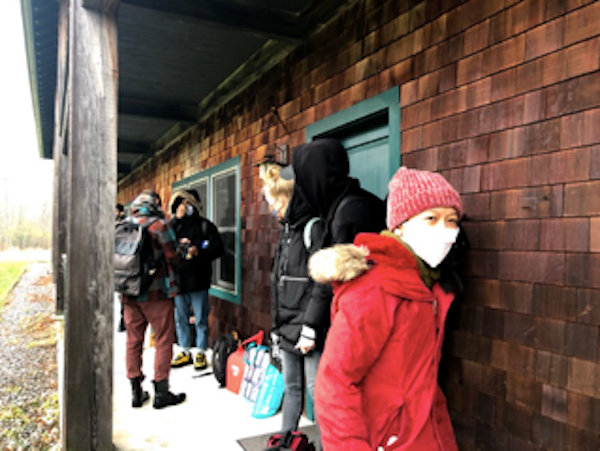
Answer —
(236, 365)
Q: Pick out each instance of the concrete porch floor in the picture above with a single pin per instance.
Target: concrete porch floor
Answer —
(211, 419)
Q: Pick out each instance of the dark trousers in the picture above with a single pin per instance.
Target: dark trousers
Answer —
(160, 315)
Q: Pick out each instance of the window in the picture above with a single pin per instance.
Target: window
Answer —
(219, 191)
(224, 194)
(370, 132)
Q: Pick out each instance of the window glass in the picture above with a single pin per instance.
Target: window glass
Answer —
(224, 191)
(202, 188)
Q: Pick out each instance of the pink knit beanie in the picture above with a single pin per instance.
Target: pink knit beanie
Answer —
(412, 191)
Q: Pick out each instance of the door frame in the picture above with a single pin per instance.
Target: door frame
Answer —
(388, 101)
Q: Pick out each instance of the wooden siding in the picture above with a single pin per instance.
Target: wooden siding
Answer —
(503, 98)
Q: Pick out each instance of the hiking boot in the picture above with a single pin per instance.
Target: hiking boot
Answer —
(139, 396)
(181, 359)
(200, 362)
(163, 397)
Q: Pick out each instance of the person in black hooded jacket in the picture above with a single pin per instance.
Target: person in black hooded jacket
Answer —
(202, 242)
(321, 170)
(292, 288)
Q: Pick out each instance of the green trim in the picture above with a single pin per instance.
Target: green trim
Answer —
(26, 10)
(388, 100)
(233, 297)
(225, 295)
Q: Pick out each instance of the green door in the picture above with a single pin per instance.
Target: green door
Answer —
(368, 152)
(370, 132)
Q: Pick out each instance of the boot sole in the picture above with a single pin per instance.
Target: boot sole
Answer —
(137, 405)
(167, 405)
(162, 406)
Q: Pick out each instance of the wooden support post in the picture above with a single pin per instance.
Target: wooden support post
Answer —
(59, 233)
(60, 156)
(93, 80)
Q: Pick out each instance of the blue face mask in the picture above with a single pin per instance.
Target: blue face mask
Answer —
(189, 210)
(274, 213)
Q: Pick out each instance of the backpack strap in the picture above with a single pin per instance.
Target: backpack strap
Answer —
(150, 222)
(306, 234)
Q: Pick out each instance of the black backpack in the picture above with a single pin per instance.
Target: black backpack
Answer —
(134, 261)
(224, 346)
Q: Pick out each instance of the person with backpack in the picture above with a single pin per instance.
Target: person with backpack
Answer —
(292, 289)
(153, 304)
(120, 216)
(202, 242)
(119, 212)
(321, 170)
(377, 385)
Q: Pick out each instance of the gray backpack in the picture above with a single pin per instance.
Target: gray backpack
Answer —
(134, 261)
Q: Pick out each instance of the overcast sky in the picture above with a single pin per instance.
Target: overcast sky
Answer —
(20, 162)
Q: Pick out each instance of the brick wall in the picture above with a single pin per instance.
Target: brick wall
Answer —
(502, 97)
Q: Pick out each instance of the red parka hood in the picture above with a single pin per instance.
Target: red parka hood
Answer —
(346, 262)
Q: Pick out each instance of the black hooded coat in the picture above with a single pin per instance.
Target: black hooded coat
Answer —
(321, 171)
(292, 288)
(195, 273)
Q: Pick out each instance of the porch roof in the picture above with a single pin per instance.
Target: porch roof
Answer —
(179, 60)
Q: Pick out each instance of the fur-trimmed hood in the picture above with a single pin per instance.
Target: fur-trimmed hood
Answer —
(397, 272)
(339, 263)
(180, 195)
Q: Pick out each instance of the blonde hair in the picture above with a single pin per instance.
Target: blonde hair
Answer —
(273, 185)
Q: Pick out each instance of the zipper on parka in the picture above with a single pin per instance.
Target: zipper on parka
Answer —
(285, 278)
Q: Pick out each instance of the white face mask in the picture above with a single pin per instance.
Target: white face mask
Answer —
(189, 210)
(431, 244)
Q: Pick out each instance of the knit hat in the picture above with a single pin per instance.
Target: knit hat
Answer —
(412, 191)
(147, 204)
(190, 195)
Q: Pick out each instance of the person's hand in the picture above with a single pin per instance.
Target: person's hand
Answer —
(306, 342)
(305, 345)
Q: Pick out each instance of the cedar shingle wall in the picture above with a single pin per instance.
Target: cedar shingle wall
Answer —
(502, 97)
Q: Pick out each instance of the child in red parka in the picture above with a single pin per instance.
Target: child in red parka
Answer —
(377, 386)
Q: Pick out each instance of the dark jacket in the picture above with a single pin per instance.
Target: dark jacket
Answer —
(321, 169)
(166, 249)
(195, 274)
(292, 288)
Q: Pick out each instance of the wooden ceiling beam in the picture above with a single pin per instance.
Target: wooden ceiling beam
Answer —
(134, 147)
(123, 168)
(320, 13)
(107, 6)
(155, 110)
(259, 20)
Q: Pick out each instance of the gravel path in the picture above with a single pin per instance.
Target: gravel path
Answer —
(28, 367)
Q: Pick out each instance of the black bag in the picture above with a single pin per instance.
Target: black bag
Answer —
(289, 441)
(134, 262)
(224, 346)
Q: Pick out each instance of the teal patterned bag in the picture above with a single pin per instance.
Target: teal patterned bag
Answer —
(270, 394)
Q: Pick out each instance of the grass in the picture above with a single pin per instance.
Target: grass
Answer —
(41, 331)
(10, 271)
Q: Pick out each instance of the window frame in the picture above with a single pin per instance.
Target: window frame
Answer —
(233, 165)
(388, 101)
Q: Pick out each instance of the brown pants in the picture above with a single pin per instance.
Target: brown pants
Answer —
(160, 314)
